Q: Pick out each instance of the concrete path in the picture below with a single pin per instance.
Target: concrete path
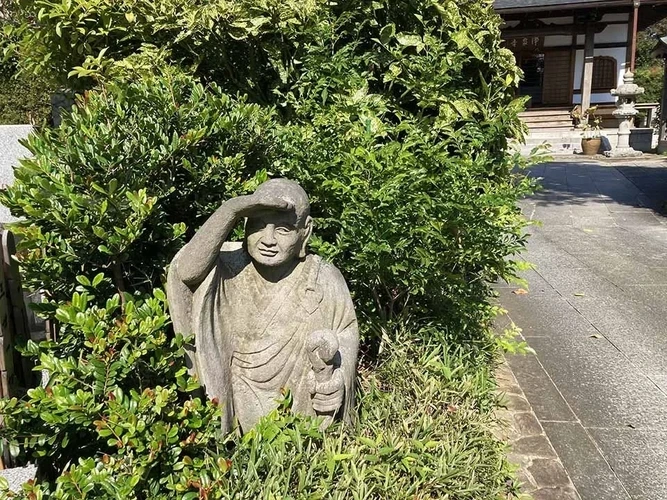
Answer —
(596, 316)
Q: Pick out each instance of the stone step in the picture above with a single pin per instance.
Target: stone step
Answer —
(545, 112)
(548, 118)
(550, 127)
(552, 138)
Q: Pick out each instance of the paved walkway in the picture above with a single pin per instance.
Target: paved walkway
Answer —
(595, 314)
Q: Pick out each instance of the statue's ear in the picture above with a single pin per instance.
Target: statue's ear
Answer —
(307, 231)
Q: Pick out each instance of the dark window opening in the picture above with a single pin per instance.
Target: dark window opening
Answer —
(604, 74)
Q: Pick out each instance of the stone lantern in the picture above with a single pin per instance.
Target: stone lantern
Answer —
(625, 113)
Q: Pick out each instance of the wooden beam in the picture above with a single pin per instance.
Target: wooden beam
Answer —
(553, 29)
(589, 54)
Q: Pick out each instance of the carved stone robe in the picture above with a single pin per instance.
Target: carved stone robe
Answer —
(250, 342)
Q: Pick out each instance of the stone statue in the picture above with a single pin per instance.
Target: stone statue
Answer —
(266, 316)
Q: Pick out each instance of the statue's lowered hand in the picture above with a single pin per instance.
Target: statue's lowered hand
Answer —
(328, 385)
(329, 395)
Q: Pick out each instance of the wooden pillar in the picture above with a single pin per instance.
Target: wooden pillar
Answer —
(662, 146)
(589, 53)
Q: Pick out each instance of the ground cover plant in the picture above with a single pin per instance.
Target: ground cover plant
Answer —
(119, 389)
(395, 117)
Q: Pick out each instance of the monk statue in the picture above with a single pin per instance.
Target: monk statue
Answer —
(266, 316)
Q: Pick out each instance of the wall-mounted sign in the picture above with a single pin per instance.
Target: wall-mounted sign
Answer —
(525, 43)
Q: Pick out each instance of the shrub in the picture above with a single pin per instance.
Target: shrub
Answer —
(395, 117)
(651, 79)
(246, 46)
(446, 450)
(117, 393)
(398, 131)
(24, 99)
(112, 189)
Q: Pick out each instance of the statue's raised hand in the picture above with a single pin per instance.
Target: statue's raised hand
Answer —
(247, 206)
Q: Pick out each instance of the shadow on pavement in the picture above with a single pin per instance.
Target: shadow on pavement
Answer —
(592, 184)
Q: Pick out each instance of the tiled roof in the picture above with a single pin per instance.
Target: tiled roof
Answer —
(660, 50)
(501, 5)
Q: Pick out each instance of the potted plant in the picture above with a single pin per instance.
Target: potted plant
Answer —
(589, 123)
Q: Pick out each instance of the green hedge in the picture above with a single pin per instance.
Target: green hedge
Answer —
(23, 99)
(394, 115)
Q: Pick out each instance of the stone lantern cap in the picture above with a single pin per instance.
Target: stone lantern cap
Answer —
(629, 88)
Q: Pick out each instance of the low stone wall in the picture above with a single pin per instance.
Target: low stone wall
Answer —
(641, 139)
(10, 152)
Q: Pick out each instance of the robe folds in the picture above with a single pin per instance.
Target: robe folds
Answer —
(251, 341)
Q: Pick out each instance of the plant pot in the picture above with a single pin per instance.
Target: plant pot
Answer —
(590, 147)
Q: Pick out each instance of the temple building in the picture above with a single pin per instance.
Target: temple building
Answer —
(574, 52)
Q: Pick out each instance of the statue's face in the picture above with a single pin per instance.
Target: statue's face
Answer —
(273, 238)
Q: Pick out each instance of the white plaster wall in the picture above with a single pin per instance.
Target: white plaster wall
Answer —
(617, 53)
(595, 99)
(607, 18)
(614, 33)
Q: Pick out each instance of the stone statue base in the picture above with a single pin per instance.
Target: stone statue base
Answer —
(623, 153)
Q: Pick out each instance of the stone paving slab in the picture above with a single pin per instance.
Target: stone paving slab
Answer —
(541, 473)
(552, 316)
(589, 470)
(545, 399)
(594, 313)
(601, 386)
(17, 476)
(638, 458)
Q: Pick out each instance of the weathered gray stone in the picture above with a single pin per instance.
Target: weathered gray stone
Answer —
(527, 424)
(599, 392)
(554, 494)
(545, 400)
(587, 468)
(551, 315)
(525, 480)
(600, 384)
(520, 459)
(639, 459)
(266, 316)
(18, 475)
(516, 402)
(625, 112)
(549, 473)
(534, 446)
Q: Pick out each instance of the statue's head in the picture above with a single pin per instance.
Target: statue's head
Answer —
(277, 237)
